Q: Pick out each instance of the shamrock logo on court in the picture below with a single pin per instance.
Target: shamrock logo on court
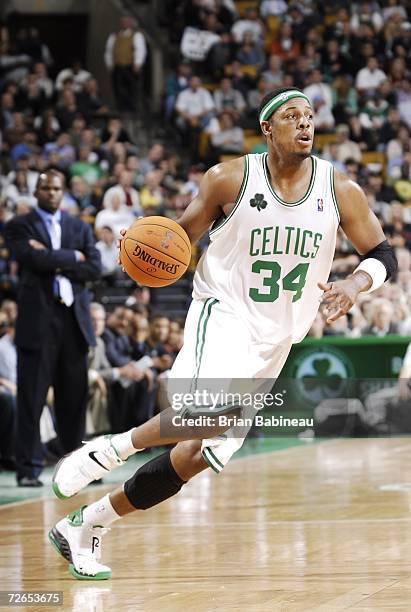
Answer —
(258, 201)
(323, 376)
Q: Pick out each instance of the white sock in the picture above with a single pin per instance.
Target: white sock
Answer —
(100, 513)
(123, 444)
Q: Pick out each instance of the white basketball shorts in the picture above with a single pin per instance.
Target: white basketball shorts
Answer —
(218, 346)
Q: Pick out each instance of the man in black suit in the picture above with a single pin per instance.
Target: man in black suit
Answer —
(56, 256)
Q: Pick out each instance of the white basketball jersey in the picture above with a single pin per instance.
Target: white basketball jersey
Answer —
(267, 256)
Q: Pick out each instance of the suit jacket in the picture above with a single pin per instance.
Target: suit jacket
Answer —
(118, 348)
(370, 331)
(37, 270)
(98, 361)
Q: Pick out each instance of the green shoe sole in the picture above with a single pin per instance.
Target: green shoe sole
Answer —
(99, 576)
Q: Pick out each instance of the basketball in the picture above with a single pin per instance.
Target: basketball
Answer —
(155, 251)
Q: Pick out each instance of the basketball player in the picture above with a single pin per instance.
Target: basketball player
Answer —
(273, 220)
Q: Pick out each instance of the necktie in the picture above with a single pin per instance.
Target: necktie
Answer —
(64, 287)
(129, 201)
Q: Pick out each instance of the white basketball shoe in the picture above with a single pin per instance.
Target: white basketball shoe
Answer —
(80, 545)
(89, 462)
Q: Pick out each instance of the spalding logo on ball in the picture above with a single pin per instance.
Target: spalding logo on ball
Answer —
(155, 251)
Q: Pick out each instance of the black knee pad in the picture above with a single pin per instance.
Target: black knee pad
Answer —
(153, 483)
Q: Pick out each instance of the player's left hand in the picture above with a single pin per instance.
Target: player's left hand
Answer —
(339, 297)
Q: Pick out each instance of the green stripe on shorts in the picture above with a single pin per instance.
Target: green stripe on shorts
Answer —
(201, 331)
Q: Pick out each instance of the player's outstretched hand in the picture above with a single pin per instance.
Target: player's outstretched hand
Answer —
(338, 298)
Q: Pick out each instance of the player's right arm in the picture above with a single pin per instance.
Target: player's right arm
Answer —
(218, 191)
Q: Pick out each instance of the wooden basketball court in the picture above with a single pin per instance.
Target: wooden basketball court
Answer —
(322, 527)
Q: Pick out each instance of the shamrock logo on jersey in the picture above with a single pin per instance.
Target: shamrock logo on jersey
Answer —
(258, 201)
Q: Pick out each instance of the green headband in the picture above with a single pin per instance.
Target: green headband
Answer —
(278, 101)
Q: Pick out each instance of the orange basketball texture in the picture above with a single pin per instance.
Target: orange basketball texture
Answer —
(155, 251)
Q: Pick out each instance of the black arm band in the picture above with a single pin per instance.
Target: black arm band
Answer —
(386, 255)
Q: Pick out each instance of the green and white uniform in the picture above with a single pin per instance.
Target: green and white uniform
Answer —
(255, 288)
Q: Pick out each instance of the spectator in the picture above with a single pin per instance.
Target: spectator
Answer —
(333, 61)
(330, 153)
(220, 55)
(381, 324)
(154, 345)
(194, 108)
(133, 166)
(363, 14)
(251, 23)
(285, 47)
(9, 309)
(31, 95)
(318, 90)
(347, 149)
(17, 191)
(101, 375)
(43, 80)
(277, 8)
(125, 192)
(344, 99)
(125, 56)
(67, 109)
(153, 159)
(90, 102)
(324, 119)
(84, 167)
(116, 216)
(226, 98)
(403, 93)
(64, 149)
(229, 139)
(81, 193)
(396, 148)
(151, 194)
(109, 253)
(26, 146)
(75, 73)
(364, 137)
(374, 113)
(8, 390)
(250, 53)
(370, 78)
(23, 165)
(176, 82)
(390, 128)
(47, 127)
(254, 99)
(116, 336)
(194, 177)
(274, 74)
(131, 402)
(8, 359)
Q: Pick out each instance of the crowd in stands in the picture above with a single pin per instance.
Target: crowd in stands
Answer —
(128, 370)
(352, 59)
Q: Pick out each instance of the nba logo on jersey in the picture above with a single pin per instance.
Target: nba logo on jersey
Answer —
(320, 204)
